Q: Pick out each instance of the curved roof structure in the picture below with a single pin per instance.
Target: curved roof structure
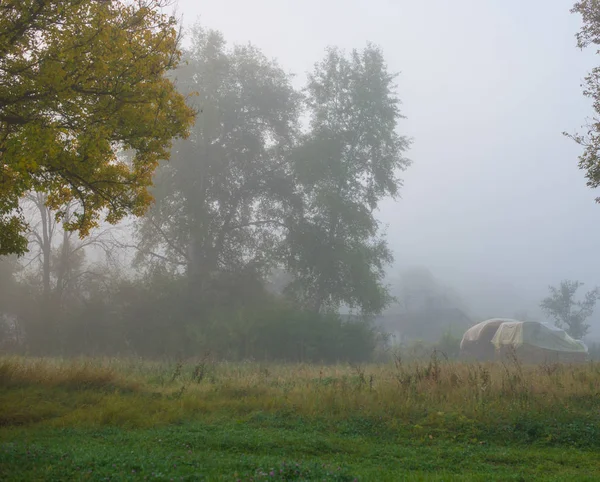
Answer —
(539, 335)
(482, 332)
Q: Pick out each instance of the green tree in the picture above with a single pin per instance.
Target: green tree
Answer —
(589, 34)
(568, 313)
(221, 200)
(80, 82)
(247, 192)
(345, 164)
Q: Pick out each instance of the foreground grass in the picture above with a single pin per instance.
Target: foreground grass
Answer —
(232, 451)
(128, 420)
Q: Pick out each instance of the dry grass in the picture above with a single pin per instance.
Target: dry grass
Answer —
(76, 375)
(457, 421)
(126, 392)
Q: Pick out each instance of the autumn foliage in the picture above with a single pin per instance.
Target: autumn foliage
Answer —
(81, 84)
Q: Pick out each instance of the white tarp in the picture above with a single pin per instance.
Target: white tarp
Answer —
(474, 334)
(518, 333)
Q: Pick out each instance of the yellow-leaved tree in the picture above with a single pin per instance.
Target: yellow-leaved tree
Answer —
(82, 81)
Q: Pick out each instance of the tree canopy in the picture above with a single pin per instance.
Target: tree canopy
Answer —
(589, 35)
(347, 162)
(220, 200)
(262, 226)
(566, 311)
(80, 82)
(251, 190)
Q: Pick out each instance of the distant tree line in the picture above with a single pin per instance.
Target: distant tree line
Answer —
(262, 227)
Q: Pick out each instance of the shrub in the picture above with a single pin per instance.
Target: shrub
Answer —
(279, 331)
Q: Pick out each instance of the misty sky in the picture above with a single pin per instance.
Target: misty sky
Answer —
(494, 194)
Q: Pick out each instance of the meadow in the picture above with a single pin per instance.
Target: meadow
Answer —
(434, 419)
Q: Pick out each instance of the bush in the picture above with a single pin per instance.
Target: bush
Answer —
(159, 317)
(279, 331)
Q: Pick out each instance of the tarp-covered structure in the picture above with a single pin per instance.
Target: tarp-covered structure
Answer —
(534, 342)
(529, 341)
(477, 341)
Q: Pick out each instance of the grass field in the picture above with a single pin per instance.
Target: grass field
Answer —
(110, 419)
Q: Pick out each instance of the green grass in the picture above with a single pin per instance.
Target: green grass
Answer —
(237, 450)
(132, 420)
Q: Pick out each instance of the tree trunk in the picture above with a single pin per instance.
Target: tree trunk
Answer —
(46, 245)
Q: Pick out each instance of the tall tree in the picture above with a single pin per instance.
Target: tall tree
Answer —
(568, 313)
(349, 160)
(80, 81)
(221, 200)
(589, 34)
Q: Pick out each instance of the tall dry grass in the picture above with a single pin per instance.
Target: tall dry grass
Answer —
(130, 392)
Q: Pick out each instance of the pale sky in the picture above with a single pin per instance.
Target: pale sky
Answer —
(494, 197)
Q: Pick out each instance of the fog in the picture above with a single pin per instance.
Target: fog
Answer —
(494, 203)
(299, 239)
(260, 233)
